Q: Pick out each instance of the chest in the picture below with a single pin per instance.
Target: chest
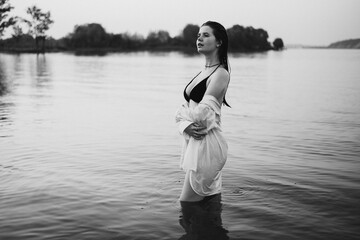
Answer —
(200, 82)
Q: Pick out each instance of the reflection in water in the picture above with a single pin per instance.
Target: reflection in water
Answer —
(202, 220)
(19, 66)
(5, 119)
(3, 83)
(5, 107)
(42, 71)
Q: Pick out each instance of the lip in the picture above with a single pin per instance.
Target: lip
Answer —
(199, 45)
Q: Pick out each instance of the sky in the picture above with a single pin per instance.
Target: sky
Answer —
(305, 22)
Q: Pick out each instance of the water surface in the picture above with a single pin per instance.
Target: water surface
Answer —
(90, 150)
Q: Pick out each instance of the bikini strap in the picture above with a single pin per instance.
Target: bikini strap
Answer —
(195, 76)
(191, 81)
(214, 70)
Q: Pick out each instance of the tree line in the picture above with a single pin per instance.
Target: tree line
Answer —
(93, 36)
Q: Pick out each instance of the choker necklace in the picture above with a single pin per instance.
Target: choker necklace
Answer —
(209, 66)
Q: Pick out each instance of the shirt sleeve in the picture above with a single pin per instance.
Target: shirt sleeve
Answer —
(183, 118)
(205, 113)
(183, 125)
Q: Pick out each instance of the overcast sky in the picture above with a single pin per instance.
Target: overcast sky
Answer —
(308, 22)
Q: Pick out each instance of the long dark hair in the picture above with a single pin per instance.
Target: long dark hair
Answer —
(221, 36)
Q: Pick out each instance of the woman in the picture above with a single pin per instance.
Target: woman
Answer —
(205, 149)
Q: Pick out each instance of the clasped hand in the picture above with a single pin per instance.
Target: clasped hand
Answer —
(196, 131)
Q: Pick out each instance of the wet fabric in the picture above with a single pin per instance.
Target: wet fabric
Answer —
(205, 158)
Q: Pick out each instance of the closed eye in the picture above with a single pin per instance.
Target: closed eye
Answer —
(204, 34)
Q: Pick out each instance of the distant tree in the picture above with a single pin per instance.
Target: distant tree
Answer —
(5, 20)
(189, 34)
(259, 39)
(156, 39)
(38, 24)
(116, 40)
(247, 39)
(133, 42)
(163, 36)
(18, 32)
(237, 39)
(278, 44)
(23, 42)
(91, 35)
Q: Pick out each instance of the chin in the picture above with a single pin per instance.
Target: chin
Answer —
(201, 50)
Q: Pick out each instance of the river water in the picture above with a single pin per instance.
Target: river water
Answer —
(89, 148)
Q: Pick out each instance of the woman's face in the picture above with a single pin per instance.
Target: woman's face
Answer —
(206, 41)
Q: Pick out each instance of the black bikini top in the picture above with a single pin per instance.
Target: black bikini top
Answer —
(198, 91)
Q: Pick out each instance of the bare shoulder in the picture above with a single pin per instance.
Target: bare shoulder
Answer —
(218, 83)
(220, 77)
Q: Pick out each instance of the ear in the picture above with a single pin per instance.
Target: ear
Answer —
(219, 44)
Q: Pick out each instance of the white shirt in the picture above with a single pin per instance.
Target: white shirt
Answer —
(204, 158)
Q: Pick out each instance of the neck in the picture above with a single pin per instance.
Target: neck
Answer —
(211, 60)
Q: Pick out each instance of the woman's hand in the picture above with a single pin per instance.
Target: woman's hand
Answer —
(196, 131)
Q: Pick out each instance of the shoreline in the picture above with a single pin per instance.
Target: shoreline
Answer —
(187, 51)
(96, 51)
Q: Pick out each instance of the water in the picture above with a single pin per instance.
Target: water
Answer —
(90, 150)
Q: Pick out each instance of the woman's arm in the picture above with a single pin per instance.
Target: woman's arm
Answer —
(187, 126)
(218, 84)
(196, 131)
